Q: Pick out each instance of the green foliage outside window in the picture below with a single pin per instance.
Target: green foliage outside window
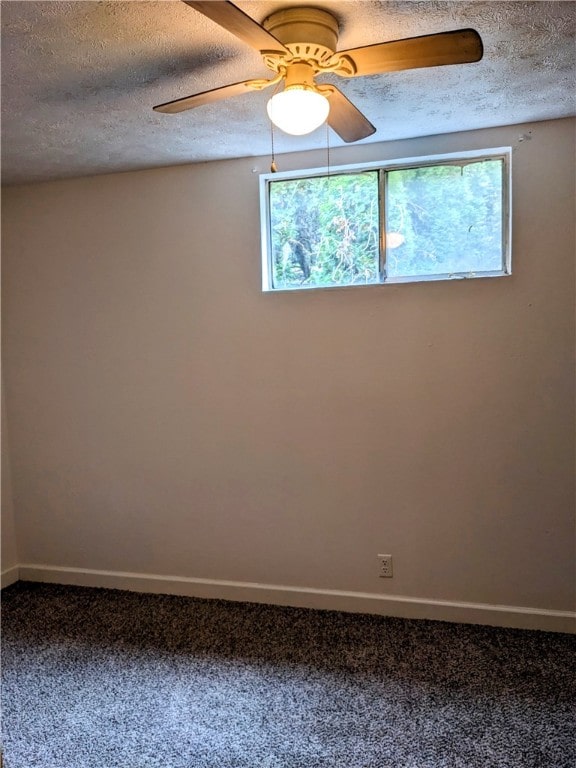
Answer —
(444, 219)
(449, 216)
(324, 230)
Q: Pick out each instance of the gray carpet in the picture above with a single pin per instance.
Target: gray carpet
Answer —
(96, 678)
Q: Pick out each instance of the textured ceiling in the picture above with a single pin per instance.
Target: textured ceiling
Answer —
(79, 80)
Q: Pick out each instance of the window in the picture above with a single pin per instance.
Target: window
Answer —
(427, 219)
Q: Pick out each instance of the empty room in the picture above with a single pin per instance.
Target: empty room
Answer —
(288, 384)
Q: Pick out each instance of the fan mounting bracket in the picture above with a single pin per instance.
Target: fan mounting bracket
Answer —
(309, 54)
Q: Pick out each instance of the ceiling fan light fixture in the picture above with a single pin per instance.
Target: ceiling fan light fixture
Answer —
(298, 110)
(299, 43)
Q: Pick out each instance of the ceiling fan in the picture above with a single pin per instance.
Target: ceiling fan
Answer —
(297, 44)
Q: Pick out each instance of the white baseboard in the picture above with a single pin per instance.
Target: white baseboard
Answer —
(9, 576)
(306, 597)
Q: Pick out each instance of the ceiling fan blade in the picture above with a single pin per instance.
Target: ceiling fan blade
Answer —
(237, 22)
(344, 118)
(207, 97)
(460, 46)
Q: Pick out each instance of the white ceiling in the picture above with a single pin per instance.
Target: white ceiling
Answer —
(79, 79)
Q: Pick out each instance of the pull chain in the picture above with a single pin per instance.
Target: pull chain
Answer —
(327, 149)
(273, 168)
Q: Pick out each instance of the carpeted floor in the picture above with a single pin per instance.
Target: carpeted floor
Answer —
(97, 678)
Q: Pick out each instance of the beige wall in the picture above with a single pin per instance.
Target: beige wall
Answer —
(9, 557)
(167, 417)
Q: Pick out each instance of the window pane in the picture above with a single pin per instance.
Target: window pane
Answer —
(324, 230)
(444, 219)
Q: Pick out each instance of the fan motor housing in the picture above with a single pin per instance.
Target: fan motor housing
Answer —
(308, 33)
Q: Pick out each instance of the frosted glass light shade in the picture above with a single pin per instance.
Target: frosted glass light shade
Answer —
(298, 110)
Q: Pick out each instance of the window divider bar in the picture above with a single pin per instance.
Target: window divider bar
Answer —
(382, 266)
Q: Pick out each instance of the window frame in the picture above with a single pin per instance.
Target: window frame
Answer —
(458, 159)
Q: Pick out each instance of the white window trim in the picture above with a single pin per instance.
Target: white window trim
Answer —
(453, 158)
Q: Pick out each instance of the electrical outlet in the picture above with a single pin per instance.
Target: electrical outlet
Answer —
(385, 566)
